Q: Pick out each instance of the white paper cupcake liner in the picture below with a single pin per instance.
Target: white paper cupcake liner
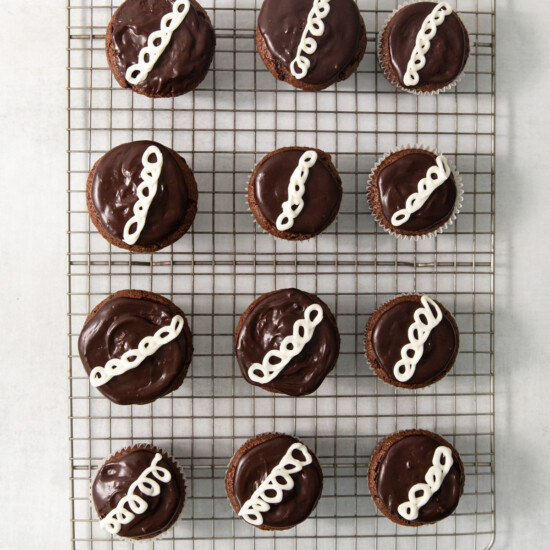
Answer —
(396, 83)
(458, 201)
(165, 533)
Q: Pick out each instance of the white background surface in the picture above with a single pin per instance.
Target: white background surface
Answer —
(34, 465)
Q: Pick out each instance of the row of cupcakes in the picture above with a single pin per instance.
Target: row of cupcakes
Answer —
(136, 346)
(274, 482)
(143, 196)
(164, 48)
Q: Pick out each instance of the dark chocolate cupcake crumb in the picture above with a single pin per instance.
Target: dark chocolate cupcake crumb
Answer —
(268, 192)
(339, 49)
(112, 490)
(403, 460)
(264, 326)
(252, 465)
(119, 324)
(395, 181)
(444, 61)
(387, 336)
(112, 195)
(185, 61)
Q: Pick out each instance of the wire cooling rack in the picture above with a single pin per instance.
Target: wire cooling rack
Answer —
(238, 114)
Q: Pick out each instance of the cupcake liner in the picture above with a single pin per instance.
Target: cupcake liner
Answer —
(402, 295)
(396, 83)
(458, 201)
(174, 462)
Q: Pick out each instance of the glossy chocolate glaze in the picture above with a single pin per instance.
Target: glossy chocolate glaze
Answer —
(118, 326)
(448, 51)
(390, 334)
(113, 481)
(114, 193)
(265, 327)
(258, 462)
(322, 196)
(185, 60)
(399, 179)
(282, 22)
(406, 464)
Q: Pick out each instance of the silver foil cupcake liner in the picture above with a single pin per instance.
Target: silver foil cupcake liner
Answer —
(397, 84)
(457, 205)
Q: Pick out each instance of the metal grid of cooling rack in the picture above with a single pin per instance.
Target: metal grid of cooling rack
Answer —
(238, 114)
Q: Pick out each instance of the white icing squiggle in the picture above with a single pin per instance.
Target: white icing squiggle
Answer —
(263, 497)
(436, 176)
(150, 176)
(308, 44)
(427, 31)
(291, 346)
(157, 42)
(132, 504)
(296, 189)
(134, 357)
(434, 478)
(424, 322)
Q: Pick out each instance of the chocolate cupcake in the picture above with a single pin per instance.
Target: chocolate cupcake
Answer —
(160, 48)
(311, 44)
(414, 192)
(135, 346)
(138, 493)
(424, 47)
(415, 477)
(287, 342)
(295, 193)
(141, 196)
(411, 341)
(274, 482)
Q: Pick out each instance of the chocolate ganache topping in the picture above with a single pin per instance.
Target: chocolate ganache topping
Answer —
(405, 464)
(187, 57)
(322, 197)
(282, 22)
(390, 334)
(398, 179)
(257, 463)
(113, 481)
(119, 325)
(113, 192)
(449, 48)
(265, 325)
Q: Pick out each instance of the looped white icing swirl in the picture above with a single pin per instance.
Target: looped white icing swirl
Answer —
(150, 176)
(261, 501)
(424, 322)
(157, 42)
(291, 346)
(308, 45)
(134, 357)
(434, 479)
(132, 504)
(427, 31)
(435, 176)
(296, 189)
